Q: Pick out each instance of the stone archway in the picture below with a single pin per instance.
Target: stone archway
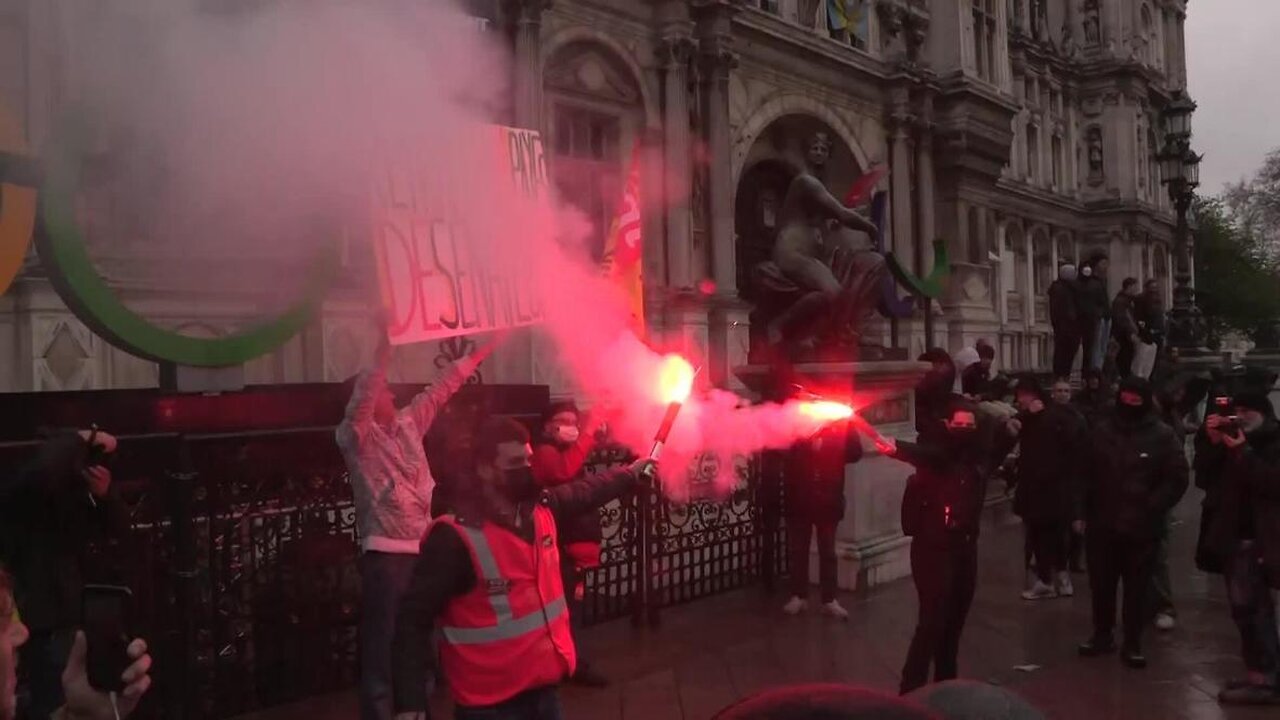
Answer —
(792, 104)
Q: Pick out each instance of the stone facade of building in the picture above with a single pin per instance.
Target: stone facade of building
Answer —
(1020, 132)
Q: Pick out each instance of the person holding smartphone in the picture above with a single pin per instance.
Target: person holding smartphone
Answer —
(83, 701)
(1237, 464)
(51, 512)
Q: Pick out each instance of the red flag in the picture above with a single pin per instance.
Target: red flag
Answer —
(622, 249)
(863, 186)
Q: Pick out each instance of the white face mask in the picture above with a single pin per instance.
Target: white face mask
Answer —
(1087, 271)
(567, 433)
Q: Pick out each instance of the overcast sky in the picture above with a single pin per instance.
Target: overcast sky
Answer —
(1233, 49)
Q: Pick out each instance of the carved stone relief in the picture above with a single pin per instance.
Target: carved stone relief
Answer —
(64, 354)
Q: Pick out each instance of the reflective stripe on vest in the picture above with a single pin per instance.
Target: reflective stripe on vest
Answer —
(493, 578)
(508, 629)
(508, 626)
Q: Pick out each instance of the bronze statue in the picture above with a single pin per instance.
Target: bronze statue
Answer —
(823, 282)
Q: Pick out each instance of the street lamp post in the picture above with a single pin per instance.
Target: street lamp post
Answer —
(1180, 168)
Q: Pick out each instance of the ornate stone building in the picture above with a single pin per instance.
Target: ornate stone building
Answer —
(1021, 132)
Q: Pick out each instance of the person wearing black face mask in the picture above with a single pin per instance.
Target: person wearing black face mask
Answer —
(489, 576)
(1135, 471)
(51, 513)
(941, 512)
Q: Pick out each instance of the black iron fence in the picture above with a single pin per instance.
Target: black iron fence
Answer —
(242, 557)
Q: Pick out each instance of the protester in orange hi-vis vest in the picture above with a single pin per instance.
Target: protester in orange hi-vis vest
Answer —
(489, 577)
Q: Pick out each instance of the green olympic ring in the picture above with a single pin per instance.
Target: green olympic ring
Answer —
(66, 258)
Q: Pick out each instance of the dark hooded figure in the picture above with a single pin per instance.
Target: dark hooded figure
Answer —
(934, 391)
(1238, 465)
(941, 512)
(1047, 484)
(1095, 310)
(1134, 472)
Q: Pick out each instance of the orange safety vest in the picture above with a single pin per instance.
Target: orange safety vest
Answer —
(510, 633)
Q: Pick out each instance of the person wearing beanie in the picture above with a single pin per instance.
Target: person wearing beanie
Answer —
(1135, 471)
(1064, 316)
(1047, 493)
(1240, 460)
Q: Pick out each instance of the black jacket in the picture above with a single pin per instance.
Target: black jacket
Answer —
(1047, 482)
(443, 571)
(1124, 324)
(1064, 306)
(1095, 304)
(48, 524)
(944, 498)
(815, 474)
(975, 381)
(1135, 472)
(1149, 311)
(1242, 499)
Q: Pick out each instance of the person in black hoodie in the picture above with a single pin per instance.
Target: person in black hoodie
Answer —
(1047, 487)
(815, 505)
(51, 513)
(1241, 464)
(1064, 316)
(1135, 471)
(934, 391)
(941, 511)
(1095, 310)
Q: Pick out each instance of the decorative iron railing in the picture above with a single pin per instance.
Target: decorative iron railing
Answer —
(243, 553)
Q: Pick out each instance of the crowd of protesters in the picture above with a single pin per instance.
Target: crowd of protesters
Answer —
(485, 595)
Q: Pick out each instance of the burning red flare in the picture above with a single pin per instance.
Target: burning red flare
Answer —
(675, 381)
(826, 410)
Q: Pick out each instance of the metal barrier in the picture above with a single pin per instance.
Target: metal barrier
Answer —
(243, 546)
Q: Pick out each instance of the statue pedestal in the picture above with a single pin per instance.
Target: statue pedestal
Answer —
(870, 546)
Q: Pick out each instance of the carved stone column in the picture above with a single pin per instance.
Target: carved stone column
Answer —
(675, 49)
(526, 15)
(925, 219)
(728, 319)
(899, 123)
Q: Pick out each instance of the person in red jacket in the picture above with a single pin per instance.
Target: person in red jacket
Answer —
(560, 459)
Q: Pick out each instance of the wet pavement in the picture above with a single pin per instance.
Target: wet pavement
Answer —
(708, 653)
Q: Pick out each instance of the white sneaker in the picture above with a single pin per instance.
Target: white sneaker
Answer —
(1039, 591)
(795, 605)
(1065, 588)
(1165, 621)
(835, 610)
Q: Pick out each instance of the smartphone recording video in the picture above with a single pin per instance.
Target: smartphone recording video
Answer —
(107, 611)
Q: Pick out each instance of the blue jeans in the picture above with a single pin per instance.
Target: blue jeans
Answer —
(537, 704)
(1253, 611)
(383, 579)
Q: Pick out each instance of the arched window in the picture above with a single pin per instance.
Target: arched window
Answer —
(594, 114)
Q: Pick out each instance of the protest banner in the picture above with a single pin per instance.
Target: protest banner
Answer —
(442, 267)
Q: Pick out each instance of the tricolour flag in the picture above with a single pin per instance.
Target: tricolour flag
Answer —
(622, 261)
